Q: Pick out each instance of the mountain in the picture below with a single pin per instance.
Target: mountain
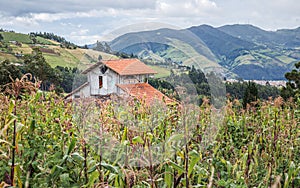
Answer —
(101, 46)
(220, 43)
(288, 38)
(250, 33)
(291, 36)
(242, 50)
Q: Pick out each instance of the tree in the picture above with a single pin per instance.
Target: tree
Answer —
(36, 64)
(199, 80)
(250, 94)
(287, 91)
(99, 58)
(33, 38)
(292, 88)
(7, 70)
(66, 77)
(1, 37)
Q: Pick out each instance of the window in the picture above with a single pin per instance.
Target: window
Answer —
(100, 82)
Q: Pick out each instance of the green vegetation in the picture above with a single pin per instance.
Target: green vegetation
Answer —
(292, 88)
(40, 37)
(41, 40)
(237, 90)
(250, 95)
(56, 50)
(55, 64)
(12, 36)
(54, 54)
(62, 59)
(195, 79)
(285, 59)
(37, 66)
(59, 78)
(44, 143)
(8, 71)
(161, 71)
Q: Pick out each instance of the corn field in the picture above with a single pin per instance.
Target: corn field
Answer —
(46, 141)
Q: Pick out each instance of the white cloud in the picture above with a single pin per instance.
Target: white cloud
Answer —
(21, 7)
(79, 32)
(185, 8)
(84, 39)
(18, 20)
(76, 20)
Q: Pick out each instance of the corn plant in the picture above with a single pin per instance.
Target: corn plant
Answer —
(46, 141)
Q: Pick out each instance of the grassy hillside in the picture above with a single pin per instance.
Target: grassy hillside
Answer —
(12, 36)
(182, 47)
(159, 40)
(161, 71)
(74, 57)
(14, 45)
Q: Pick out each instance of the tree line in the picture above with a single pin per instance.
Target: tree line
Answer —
(247, 92)
(54, 37)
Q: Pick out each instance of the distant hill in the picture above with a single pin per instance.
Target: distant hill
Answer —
(101, 46)
(14, 45)
(182, 46)
(289, 38)
(220, 43)
(242, 50)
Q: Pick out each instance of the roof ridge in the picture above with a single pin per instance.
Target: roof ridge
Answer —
(77, 89)
(129, 66)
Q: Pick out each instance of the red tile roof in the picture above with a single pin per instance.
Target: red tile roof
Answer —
(124, 67)
(144, 91)
(129, 67)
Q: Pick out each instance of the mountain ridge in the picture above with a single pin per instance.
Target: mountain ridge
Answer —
(242, 49)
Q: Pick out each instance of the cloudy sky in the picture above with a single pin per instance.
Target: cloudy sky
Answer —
(85, 21)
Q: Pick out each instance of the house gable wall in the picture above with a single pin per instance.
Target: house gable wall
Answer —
(82, 93)
(109, 80)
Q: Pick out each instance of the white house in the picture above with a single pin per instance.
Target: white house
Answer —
(118, 76)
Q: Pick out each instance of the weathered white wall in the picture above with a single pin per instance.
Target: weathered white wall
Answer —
(93, 79)
(83, 92)
(133, 79)
(110, 79)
